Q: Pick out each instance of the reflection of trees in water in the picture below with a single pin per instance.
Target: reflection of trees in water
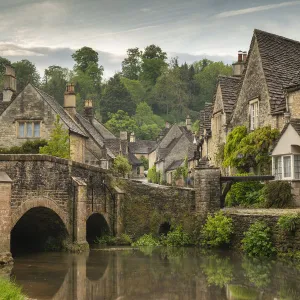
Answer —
(240, 292)
(258, 271)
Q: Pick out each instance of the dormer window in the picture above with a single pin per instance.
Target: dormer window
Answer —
(254, 114)
(29, 129)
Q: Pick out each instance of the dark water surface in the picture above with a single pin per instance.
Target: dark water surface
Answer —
(160, 273)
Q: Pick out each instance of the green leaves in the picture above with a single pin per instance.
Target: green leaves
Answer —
(147, 240)
(59, 143)
(177, 238)
(217, 230)
(288, 223)
(121, 165)
(257, 240)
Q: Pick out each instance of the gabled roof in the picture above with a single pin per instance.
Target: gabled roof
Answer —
(64, 116)
(175, 164)
(141, 146)
(280, 58)
(229, 88)
(105, 133)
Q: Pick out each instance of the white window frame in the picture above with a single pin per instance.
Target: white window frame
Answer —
(292, 167)
(26, 122)
(254, 114)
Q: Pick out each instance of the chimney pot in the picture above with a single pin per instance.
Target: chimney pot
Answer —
(88, 110)
(70, 100)
(240, 56)
(244, 56)
(132, 137)
(123, 135)
(188, 123)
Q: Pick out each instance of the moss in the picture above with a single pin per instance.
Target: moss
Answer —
(76, 247)
(10, 290)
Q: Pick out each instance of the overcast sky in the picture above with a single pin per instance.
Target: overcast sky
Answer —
(47, 32)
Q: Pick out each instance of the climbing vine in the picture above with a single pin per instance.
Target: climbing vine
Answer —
(250, 150)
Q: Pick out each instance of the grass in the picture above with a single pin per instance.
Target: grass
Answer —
(10, 290)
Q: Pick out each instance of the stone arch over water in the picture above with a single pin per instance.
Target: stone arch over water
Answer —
(164, 228)
(37, 228)
(96, 226)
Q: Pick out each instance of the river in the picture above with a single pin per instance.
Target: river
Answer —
(160, 273)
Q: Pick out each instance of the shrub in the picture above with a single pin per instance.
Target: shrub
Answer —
(146, 240)
(105, 240)
(29, 147)
(244, 193)
(177, 238)
(257, 240)
(217, 230)
(123, 239)
(121, 165)
(288, 223)
(10, 290)
(277, 194)
(153, 175)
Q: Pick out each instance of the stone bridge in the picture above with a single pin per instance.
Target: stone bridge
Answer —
(44, 198)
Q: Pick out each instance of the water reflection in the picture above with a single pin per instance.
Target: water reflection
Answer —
(161, 273)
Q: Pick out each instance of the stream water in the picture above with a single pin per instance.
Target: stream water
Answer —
(160, 273)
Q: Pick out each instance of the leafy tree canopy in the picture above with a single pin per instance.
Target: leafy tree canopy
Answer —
(84, 57)
(131, 65)
(121, 165)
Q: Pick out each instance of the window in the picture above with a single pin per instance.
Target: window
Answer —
(254, 109)
(218, 122)
(297, 166)
(29, 129)
(287, 170)
(277, 167)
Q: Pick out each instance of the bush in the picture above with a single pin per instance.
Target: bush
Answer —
(121, 165)
(146, 240)
(177, 238)
(288, 223)
(105, 240)
(277, 194)
(123, 239)
(244, 193)
(217, 230)
(29, 147)
(257, 240)
(10, 290)
(154, 176)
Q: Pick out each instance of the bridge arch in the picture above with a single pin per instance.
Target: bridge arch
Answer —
(38, 225)
(96, 226)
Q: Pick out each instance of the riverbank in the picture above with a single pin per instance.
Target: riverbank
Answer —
(10, 290)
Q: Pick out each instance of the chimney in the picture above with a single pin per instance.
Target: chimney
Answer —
(132, 137)
(10, 83)
(88, 110)
(70, 100)
(238, 67)
(188, 123)
(123, 135)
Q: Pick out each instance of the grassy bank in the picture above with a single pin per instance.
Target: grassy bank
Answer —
(10, 290)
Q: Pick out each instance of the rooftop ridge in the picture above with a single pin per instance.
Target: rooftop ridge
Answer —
(276, 35)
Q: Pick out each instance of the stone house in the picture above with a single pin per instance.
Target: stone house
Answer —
(30, 115)
(171, 149)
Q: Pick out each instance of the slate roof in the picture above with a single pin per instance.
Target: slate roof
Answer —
(105, 133)
(163, 152)
(229, 88)
(281, 63)
(205, 118)
(175, 164)
(64, 116)
(141, 146)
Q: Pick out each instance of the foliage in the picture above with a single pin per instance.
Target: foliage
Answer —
(10, 290)
(153, 176)
(131, 65)
(177, 238)
(145, 162)
(135, 88)
(29, 147)
(245, 150)
(59, 143)
(277, 194)
(116, 97)
(217, 230)
(108, 240)
(257, 240)
(242, 292)
(244, 193)
(288, 223)
(105, 240)
(218, 270)
(26, 72)
(120, 121)
(196, 127)
(258, 271)
(83, 57)
(182, 171)
(121, 165)
(146, 240)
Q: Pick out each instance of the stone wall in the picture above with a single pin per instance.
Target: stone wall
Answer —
(146, 206)
(243, 218)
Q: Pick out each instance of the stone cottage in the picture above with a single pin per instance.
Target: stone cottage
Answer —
(30, 115)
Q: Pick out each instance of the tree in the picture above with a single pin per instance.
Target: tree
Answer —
(116, 97)
(26, 73)
(135, 88)
(84, 57)
(121, 165)
(120, 121)
(207, 79)
(55, 81)
(59, 143)
(153, 60)
(131, 65)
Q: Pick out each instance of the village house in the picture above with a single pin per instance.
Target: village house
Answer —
(30, 115)
(264, 90)
(177, 144)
